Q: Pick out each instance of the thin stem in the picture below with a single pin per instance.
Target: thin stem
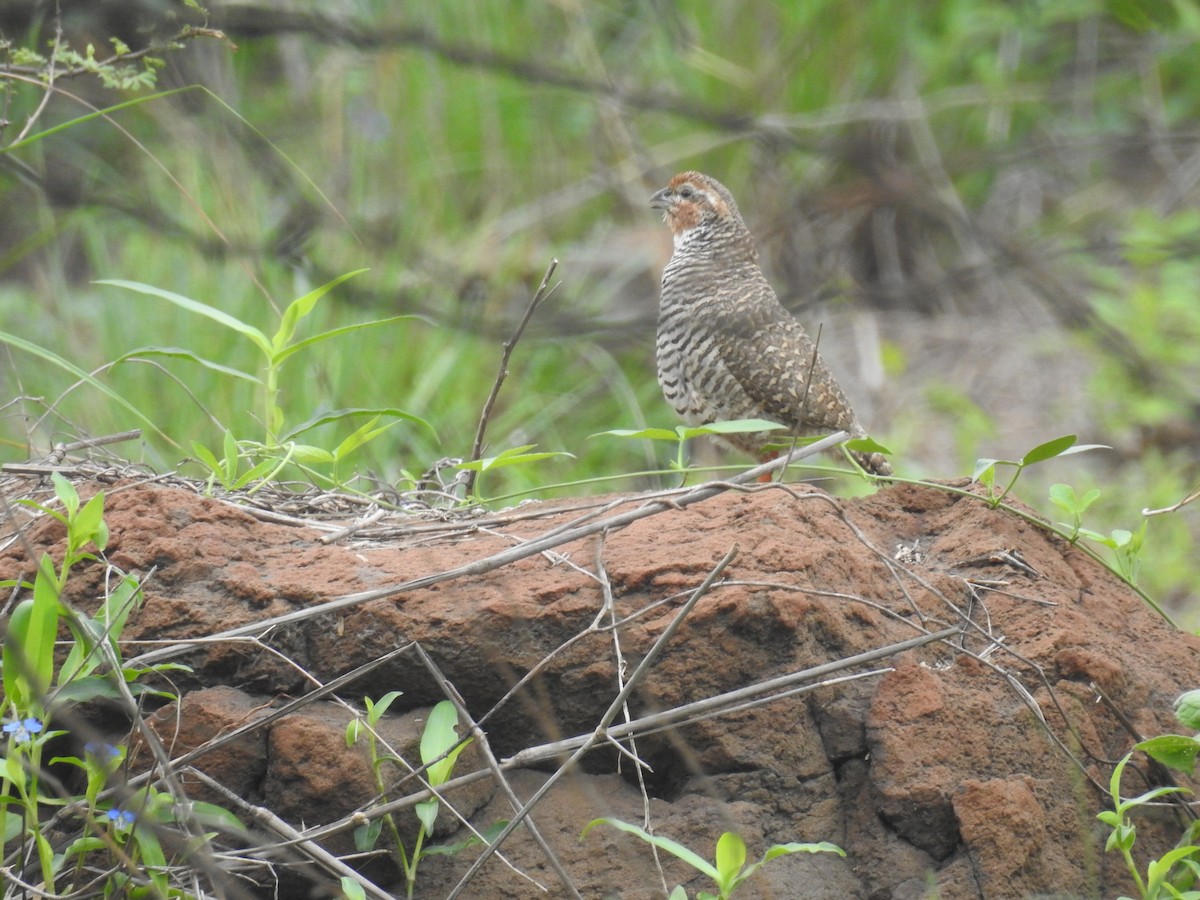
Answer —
(543, 291)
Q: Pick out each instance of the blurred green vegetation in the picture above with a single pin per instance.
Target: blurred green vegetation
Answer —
(1019, 177)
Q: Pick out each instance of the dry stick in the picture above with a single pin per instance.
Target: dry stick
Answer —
(493, 765)
(61, 450)
(199, 852)
(646, 725)
(763, 701)
(356, 818)
(288, 708)
(543, 292)
(968, 625)
(315, 851)
(594, 628)
(610, 607)
(504, 557)
(670, 717)
(356, 526)
(601, 730)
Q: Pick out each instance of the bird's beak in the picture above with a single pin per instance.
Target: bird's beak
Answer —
(661, 200)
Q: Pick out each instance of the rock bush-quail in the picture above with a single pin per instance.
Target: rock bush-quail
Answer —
(727, 349)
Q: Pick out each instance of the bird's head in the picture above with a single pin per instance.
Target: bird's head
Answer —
(692, 200)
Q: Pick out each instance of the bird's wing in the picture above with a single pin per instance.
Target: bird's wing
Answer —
(769, 354)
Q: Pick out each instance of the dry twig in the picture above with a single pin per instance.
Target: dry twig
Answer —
(543, 291)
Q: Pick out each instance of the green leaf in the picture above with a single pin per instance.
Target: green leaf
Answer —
(438, 738)
(206, 458)
(730, 858)
(17, 689)
(366, 836)
(1158, 870)
(89, 522)
(260, 471)
(678, 893)
(185, 354)
(232, 458)
(1084, 448)
(867, 445)
(310, 455)
(778, 850)
(337, 332)
(734, 426)
(340, 415)
(511, 457)
(81, 847)
(361, 436)
(154, 860)
(1173, 750)
(652, 434)
(1187, 709)
(1063, 495)
(15, 772)
(14, 824)
(380, 707)
(1048, 450)
(29, 644)
(1143, 799)
(66, 493)
(82, 688)
(684, 432)
(212, 816)
(985, 469)
(489, 835)
(427, 811)
(301, 307)
(818, 847)
(1114, 780)
(201, 309)
(675, 849)
(82, 658)
(351, 889)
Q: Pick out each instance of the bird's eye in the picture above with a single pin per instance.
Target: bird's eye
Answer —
(686, 192)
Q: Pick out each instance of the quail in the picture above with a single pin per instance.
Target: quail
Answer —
(726, 347)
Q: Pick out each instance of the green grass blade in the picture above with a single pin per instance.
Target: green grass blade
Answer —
(41, 352)
(99, 113)
(281, 355)
(182, 353)
(674, 848)
(195, 306)
(339, 415)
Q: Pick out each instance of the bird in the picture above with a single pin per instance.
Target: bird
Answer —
(726, 348)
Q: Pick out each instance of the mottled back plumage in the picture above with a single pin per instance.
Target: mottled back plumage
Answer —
(727, 349)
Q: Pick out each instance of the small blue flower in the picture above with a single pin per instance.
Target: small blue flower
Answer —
(23, 730)
(121, 818)
(101, 750)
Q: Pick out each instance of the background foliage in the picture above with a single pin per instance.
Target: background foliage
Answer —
(989, 209)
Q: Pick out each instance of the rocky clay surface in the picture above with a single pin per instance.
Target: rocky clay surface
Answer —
(964, 768)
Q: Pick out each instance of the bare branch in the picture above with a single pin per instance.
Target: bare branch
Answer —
(543, 292)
